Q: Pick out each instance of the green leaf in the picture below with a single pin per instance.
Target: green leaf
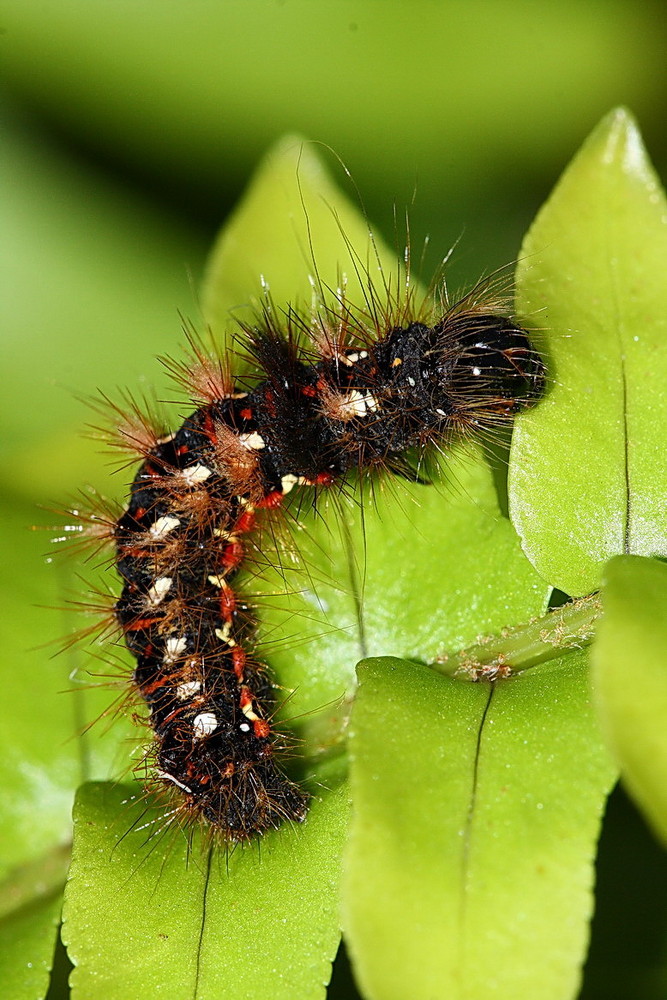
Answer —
(145, 914)
(296, 235)
(476, 814)
(630, 679)
(588, 476)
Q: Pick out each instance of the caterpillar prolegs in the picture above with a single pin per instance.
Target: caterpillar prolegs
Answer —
(356, 397)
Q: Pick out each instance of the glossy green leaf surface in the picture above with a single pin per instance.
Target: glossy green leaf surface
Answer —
(248, 924)
(588, 476)
(476, 812)
(630, 679)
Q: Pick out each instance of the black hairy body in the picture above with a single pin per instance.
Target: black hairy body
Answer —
(308, 417)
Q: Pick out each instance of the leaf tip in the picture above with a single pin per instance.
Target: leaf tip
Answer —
(619, 141)
(295, 154)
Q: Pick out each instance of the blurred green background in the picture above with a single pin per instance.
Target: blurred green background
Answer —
(130, 130)
(132, 127)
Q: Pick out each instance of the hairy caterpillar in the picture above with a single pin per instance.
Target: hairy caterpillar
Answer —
(364, 392)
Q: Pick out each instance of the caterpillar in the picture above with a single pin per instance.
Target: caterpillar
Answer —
(364, 393)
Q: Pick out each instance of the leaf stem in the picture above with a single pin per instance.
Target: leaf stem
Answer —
(571, 626)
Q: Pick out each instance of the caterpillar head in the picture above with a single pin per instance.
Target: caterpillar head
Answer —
(496, 368)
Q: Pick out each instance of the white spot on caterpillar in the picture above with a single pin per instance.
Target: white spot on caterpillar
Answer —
(166, 439)
(195, 474)
(159, 591)
(411, 381)
(174, 781)
(244, 727)
(356, 404)
(289, 481)
(218, 581)
(252, 441)
(224, 635)
(163, 526)
(174, 647)
(476, 370)
(353, 357)
(204, 724)
(187, 689)
(248, 711)
(441, 412)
